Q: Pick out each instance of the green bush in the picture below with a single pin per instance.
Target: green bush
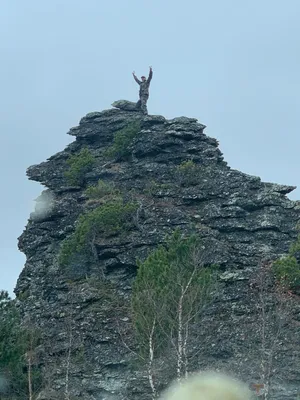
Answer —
(79, 165)
(287, 271)
(295, 247)
(103, 191)
(153, 187)
(187, 166)
(106, 220)
(122, 140)
(187, 173)
(287, 268)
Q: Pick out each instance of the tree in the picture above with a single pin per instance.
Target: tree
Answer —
(17, 353)
(172, 287)
(274, 304)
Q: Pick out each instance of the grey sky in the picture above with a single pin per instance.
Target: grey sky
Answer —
(232, 64)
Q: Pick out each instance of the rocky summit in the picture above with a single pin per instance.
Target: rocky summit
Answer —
(177, 178)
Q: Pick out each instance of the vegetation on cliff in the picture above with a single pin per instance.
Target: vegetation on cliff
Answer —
(120, 149)
(172, 287)
(79, 164)
(108, 219)
(19, 370)
(287, 268)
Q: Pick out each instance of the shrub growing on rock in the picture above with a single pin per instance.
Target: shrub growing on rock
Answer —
(287, 268)
(154, 188)
(287, 271)
(79, 165)
(103, 192)
(120, 149)
(106, 220)
(188, 173)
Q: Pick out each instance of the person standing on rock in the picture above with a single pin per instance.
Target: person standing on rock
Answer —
(144, 90)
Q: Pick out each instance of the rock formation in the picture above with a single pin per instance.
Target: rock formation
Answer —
(179, 178)
(125, 105)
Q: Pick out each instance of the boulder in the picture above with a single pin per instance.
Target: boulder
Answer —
(125, 105)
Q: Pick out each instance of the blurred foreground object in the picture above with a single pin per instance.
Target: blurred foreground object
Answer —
(208, 386)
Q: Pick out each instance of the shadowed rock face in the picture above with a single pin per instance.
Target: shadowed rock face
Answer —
(241, 220)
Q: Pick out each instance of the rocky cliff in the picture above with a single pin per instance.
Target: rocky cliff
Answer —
(178, 177)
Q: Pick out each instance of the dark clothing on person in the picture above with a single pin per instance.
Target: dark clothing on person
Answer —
(142, 104)
(143, 92)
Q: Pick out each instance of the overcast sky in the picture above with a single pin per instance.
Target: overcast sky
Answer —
(232, 64)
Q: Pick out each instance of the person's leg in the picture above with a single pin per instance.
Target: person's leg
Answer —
(144, 104)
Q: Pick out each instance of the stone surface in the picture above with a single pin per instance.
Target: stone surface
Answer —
(241, 220)
(126, 105)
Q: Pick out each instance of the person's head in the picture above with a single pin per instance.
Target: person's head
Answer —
(143, 78)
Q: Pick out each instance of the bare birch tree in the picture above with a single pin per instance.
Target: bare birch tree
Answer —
(274, 311)
(172, 287)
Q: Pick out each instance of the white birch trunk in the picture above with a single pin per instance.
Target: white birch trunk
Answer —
(184, 350)
(180, 339)
(182, 344)
(150, 363)
(29, 375)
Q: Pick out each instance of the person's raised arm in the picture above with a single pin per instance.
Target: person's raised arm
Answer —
(150, 75)
(136, 79)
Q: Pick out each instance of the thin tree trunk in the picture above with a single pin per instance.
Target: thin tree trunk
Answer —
(179, 339)
(184, 350)
(150, 363)
(180, 343)
(29, 374)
